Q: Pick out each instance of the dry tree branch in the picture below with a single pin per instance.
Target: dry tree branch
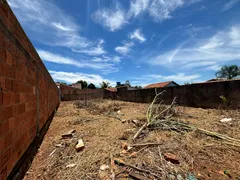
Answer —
(150, 113)
(136, 168)
(164, 120)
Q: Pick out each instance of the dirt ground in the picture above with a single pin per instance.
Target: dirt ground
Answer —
(107, 129)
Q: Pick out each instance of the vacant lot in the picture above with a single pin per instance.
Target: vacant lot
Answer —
(107, 129)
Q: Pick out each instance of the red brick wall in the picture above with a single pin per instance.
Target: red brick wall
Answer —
(28, 95)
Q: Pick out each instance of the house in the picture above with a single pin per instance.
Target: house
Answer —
(111, 89)
(77, 85)
(215, 80)
(161, 85)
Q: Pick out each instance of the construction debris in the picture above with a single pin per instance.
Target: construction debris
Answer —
(79, 145)
(172, 158)
(68, 134)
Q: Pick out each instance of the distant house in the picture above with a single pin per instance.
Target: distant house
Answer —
(77, 85)
(214, 80)
(112, 89)
(161, 85)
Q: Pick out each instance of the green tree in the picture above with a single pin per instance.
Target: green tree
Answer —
(104, 84)
(62, 83)
(84, 84)
(228, 72)
(127, 83)
(91, 86)
(139, 87)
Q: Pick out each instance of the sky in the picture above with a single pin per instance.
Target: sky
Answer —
(143, 41)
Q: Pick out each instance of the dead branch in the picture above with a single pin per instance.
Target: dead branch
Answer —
(150, 115)
(146, 144)
(140, 130)
(121, 163)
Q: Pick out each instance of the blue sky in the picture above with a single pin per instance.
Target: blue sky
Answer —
(143, 41)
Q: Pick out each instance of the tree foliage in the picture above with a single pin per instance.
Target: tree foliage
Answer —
(127, 83)
(104, 84)
(228, 72)
(62, 83)
(91, 86)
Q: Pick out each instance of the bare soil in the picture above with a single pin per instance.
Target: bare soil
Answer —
(107, 129)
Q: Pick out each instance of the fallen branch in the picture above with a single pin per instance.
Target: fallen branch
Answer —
(150, 115)
(164, 121)
(121, 163)
(140, 130)
(147, 144)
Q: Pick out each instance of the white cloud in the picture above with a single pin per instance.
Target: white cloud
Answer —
(87, 63)
(155, 78)
(73, 77)
(161, 9)
(61, 27)
(137, 34)
(50, 25)
(113, 19)
(93, 51)
(217, 50)
(137, 7)
(174, 77)
(230, 4)
(125, 49)
(104, 58)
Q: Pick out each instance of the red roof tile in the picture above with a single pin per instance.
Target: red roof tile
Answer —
(112, 89)
(158, 85)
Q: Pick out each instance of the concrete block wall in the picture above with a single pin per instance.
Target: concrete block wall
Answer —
(70, 95)
(28, 95)
(205, 95)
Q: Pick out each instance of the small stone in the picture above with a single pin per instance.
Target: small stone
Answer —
(179, 177)
(226, 120)
(104, 167)
(123, 120)
(70, 165)
(172, 158)
(68, 134)
(136, 122)
(59, 145)
(79, 145)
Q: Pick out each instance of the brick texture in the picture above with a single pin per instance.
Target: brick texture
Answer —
(26, 88)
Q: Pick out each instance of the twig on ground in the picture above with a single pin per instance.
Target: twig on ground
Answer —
(146, 144)
(52, 152)
(112, 167)
(121, 163)
(140, 130)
